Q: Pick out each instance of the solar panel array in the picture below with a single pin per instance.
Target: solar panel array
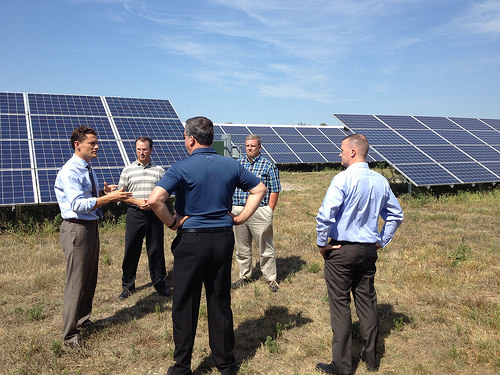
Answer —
(431, 151)
(290, 144)
(36, 128)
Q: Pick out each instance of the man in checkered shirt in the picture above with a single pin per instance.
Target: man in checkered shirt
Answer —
(260, 225)
(140, 178)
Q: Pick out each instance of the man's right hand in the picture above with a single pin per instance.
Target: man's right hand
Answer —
(119, 195)
(323, 250)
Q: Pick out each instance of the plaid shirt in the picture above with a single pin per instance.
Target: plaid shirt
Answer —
(268, 174)
(140, 179)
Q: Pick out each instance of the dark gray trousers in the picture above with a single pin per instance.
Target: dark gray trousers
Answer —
(352, 269)
(80, 244)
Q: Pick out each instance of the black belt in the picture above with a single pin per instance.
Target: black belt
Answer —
(82, 222)
(206, 230)
(335, 242)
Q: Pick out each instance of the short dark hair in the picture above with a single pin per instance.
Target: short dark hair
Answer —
(80, 134)
(145, 139)
(361, 143)
(201, 128)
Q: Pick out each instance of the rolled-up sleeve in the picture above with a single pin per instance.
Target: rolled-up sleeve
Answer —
(393, 217)
(325, 219)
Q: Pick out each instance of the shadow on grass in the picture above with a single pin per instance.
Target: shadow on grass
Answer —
(145, 306)
(285, 267)
(389, 321)
(252, 334)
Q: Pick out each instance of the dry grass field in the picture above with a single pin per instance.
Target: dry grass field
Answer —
(438, 287)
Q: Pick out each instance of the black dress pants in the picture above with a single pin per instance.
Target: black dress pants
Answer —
(352, 269)
(203, 259)
(140, 224)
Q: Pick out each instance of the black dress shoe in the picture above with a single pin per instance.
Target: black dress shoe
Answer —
(165, 292)
(86, 324)
(171, 371)
(126, 293)
(369, 366)
(329, 368)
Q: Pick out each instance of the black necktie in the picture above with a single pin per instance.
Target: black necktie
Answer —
(98, 210)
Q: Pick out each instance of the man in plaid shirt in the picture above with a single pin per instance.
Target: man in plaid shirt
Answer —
(260, 225)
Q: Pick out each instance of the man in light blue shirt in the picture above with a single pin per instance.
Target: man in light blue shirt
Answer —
(349, 216)
(77, 195)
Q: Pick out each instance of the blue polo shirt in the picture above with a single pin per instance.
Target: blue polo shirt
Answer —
(204, 184)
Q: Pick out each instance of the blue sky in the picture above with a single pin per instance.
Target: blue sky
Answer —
(250, 61)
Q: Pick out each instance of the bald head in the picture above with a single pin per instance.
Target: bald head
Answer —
(354, 149)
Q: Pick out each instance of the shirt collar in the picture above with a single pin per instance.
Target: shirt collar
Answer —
(255, 159)
(359, 164)
(79, 161)
(203, 150)
(151, 163)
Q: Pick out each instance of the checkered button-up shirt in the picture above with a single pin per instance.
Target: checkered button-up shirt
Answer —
(140, 179)
(268, 174)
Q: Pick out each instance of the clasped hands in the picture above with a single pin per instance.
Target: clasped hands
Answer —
(116, 194)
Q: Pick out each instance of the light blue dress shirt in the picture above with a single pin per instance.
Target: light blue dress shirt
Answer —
(352, 205)
(74, 190)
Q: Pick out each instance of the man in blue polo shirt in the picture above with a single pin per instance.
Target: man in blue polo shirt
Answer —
(203, 184)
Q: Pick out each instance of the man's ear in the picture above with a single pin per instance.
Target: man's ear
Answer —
(191, 141)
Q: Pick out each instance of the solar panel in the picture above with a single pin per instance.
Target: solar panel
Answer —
(13, 127)
(16, 187)
(438, 123)
(459, 137)
(481, 153)
(401, 122)
(166, 129)
(433, 150)
(495, 124)
(404, 154)
(60, 127)
(470, 123)
(469, 172)
(134, 107)
(427, 174)
(14, 155)
(70, 105)
(422, 137)
(489, 137)
(12, 103)
(35, 138)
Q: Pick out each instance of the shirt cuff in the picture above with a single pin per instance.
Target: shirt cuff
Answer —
(322, 240)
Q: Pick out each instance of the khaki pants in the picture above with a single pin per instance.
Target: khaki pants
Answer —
(80, 244)
(260, 229)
